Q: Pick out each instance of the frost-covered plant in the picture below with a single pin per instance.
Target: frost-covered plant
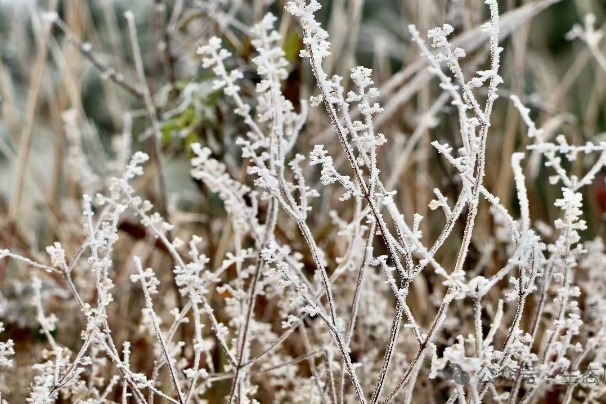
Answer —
(283, 314)
(6, 351)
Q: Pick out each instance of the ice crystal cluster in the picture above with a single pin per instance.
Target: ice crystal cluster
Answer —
(373, 303)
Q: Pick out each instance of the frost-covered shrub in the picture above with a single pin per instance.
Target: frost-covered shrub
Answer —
(474, 300)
